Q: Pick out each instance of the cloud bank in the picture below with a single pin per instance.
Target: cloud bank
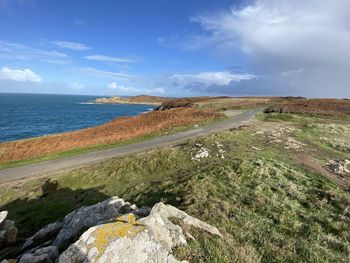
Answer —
(298, 47)
(19, 75)
(120, 89)
(207, 81)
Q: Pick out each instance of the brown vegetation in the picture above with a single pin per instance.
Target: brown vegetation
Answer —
(148, 99)
(326, 107)
(120, 129)
(185, 102)
(223, 102)
(140, 99)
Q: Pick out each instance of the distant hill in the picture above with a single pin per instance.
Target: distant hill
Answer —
(140, 99)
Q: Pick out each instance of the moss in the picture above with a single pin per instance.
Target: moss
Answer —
(124, 226)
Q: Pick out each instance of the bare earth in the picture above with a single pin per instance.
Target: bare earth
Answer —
(64, 164)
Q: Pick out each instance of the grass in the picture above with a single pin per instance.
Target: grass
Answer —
(119, 132)
(268, 207)
(328, 134)
(327, 107)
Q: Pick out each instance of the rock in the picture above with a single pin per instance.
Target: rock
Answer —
(75, 223)
(8, 233)
(43, 235)
(202, 152)
(41, 255)
(3, 216)
(339, 166)
(149, 239)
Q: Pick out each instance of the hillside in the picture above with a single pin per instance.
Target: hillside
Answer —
(277, 190)
(140, 99)
(120, 130)
(222, 103)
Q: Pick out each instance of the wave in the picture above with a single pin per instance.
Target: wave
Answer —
(86, 103)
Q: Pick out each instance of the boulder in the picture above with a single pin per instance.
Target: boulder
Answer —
(3, 216)
(8, 231)
(339, 166)
(75, 223)
(43, 235)
(41, 255)
(149, 239)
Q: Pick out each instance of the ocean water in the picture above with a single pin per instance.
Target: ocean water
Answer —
(29, 115)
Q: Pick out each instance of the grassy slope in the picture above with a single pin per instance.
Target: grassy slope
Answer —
(99, 147)
(268, 207)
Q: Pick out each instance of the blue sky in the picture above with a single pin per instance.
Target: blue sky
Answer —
(175, 48)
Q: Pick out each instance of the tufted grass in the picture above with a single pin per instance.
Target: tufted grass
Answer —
(268, 207)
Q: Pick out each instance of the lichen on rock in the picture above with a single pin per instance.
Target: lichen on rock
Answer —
(149, 239)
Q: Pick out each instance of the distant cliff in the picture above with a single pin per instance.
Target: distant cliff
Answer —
(140, 99)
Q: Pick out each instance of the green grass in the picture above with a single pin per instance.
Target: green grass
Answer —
(267, 206)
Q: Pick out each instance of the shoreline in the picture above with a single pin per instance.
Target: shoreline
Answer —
(122, 103)
(76, 130)
(113, 132)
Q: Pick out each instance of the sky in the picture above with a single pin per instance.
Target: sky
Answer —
(176, 48)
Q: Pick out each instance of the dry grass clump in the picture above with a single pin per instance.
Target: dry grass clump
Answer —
(120, 129)
(326, 107)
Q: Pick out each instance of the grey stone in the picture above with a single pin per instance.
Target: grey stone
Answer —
(41, 255)
(75, 223)
(8, 233)
(3, 216)
(44, 234)
(128, 240)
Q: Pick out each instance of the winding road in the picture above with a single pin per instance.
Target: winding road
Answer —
(53, 166)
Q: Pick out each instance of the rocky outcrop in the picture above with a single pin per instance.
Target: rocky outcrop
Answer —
(113, 231)
(149, 239)
(141, 99)
(8, 231)
(41, 255)
(47, 233)
(340, 167)
(79, 220)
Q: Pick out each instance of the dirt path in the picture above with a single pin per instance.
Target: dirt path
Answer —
(308, 162)
(54, 166)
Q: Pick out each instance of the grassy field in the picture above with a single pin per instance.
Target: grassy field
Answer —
(119, 131)
(270, 206)
(223, 103)
(326, 107)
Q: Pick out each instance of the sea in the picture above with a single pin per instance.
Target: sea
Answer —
(25, 116)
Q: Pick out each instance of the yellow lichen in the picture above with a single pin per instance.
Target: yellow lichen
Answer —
(124, 226)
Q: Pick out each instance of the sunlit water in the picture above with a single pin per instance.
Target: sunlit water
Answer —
(30, 115)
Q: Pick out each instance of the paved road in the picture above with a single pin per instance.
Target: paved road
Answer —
(53, 166)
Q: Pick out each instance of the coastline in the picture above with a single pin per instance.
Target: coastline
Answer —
(117, 131)
(121, 102)
(140, 99)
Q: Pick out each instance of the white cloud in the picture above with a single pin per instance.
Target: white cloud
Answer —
(282, 36)
(160, 90)
(112, 85)
(10, 50)
(129, 90)
(70, 45)
(19, 75)
(106, 74)
(110, 59)
(123, 89)
(208, 79)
